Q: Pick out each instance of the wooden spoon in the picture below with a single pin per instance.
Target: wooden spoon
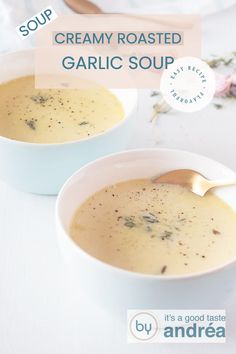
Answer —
(88, 7)
(192, 180)
(83, 6)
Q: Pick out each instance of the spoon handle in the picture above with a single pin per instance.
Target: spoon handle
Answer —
(219, 183)
(88, 7)
(83, 6)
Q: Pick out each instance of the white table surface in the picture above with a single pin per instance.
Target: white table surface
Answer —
(39, 314)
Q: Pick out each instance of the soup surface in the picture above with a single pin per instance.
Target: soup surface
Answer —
(156, 228)
(54, 116)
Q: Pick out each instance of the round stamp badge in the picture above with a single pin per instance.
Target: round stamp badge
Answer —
(188, 84)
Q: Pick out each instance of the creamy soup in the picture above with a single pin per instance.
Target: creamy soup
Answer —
(156, 229)
(54, 116)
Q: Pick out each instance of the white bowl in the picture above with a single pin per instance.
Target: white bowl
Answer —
(43, 168)
(120, 289)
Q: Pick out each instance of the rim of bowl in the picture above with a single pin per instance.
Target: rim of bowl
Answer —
(126, 272)
(126, 116)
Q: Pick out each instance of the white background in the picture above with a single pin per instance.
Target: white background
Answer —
(39, 313)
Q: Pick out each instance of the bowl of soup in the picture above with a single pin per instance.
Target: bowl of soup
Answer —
(130, 243)
(47, 134)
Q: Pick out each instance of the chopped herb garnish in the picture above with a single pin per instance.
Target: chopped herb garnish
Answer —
(166, 235)
(183, 219)
(151, 218)
(31, 124)
(155, 93)
(83, 123)
(218, 105)
(39, 99)
(129, 222)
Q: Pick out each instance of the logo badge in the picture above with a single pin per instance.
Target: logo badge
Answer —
(176, 326)
(143, 326)
(188, 85)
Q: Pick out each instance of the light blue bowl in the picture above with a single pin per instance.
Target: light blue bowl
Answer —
(43, 168)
